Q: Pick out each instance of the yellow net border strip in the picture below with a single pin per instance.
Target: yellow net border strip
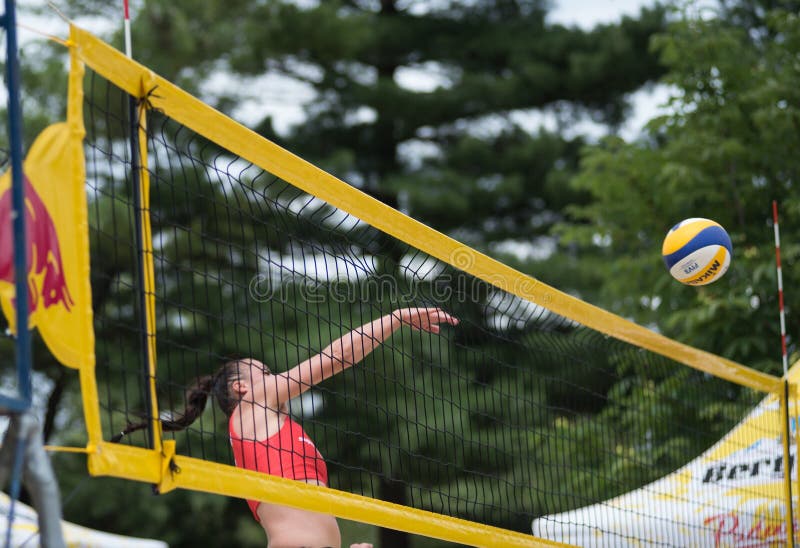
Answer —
(215, 126)
(168, 470)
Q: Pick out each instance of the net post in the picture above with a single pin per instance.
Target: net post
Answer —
(793, 394)
(144, 262)
(138, 145)
(787, 464)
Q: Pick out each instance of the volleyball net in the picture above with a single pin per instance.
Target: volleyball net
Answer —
(209, 242)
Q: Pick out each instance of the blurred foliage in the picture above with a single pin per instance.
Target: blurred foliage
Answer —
(725, 152)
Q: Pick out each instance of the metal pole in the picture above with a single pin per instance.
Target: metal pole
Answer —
(144, 339)
(14, 488)
(30, 463)
(23, 455)
(23, 342)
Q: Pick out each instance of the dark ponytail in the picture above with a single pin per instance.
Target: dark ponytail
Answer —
(196, 398)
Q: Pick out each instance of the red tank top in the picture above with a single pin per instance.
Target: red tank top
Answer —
(289, 453)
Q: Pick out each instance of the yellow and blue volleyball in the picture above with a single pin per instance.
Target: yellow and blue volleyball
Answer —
(697, 251)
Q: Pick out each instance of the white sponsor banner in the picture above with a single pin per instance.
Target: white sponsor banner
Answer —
(730, 496)
(25, 531)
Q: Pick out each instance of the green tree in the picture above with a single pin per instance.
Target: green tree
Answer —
(725, 152)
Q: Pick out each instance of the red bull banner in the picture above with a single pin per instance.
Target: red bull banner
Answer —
(57, 246)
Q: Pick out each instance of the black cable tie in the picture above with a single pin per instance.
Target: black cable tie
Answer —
(146, 103)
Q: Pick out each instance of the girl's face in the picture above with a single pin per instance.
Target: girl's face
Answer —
(250, 382)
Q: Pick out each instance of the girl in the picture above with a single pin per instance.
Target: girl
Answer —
(265, 438)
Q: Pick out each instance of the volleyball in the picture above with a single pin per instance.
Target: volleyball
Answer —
(697, 251)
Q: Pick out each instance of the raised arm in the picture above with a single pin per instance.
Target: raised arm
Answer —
(350, 349)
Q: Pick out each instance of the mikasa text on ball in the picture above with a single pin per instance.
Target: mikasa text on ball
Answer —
(697, 251)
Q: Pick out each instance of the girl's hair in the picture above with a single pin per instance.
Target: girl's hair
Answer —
(196, 396)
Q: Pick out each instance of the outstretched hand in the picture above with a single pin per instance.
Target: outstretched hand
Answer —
(425, 319)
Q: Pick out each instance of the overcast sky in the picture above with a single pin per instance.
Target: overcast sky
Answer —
(587, 13)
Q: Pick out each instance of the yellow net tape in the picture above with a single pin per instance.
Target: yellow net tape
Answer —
(168, 470)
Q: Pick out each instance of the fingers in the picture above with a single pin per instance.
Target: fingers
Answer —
(361, 545)
(427, 319)
(444, 317)
(437, 316)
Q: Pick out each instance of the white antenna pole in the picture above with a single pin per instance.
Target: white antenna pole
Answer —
(780, 285)
(128, 47)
